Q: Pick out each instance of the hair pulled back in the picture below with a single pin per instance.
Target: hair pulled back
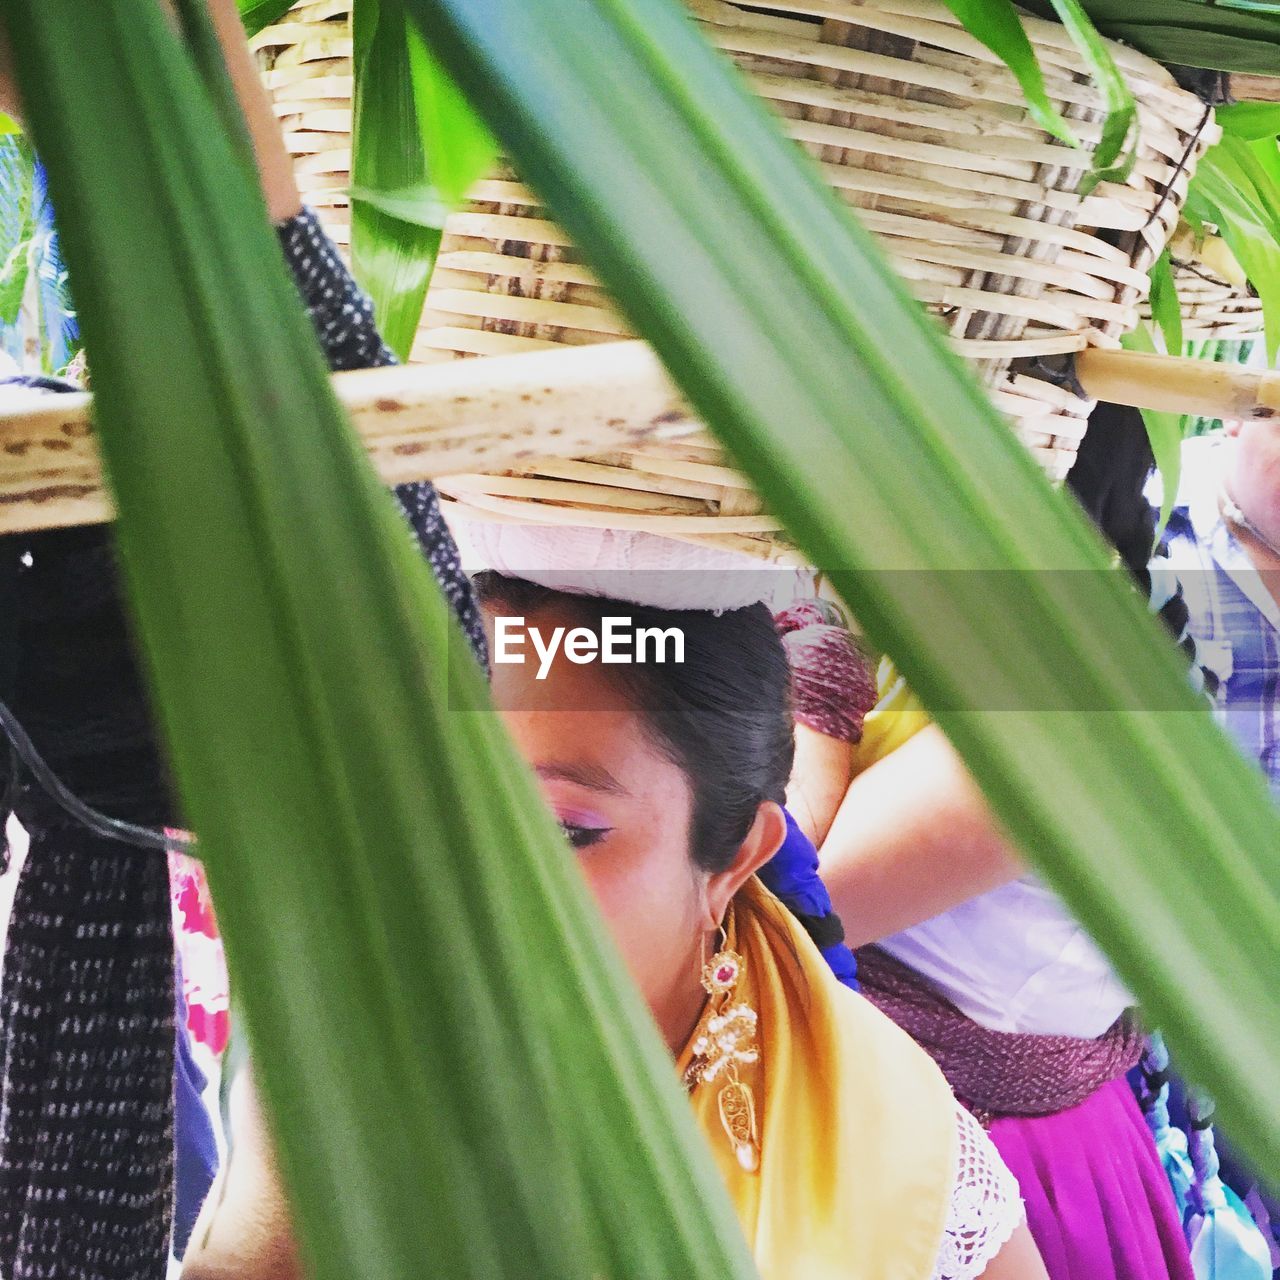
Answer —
(723, 715)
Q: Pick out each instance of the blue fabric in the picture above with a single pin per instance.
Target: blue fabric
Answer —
(195, 1147)
(1170, 1140)
(1225, 1239)
(791, 875)
(1243, 1193)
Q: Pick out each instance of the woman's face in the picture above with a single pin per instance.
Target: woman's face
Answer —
(1254, 477)
(626, 809)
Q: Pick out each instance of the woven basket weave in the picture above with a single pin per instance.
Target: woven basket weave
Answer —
(1216, 301)
(913, 122)
(1214, 309)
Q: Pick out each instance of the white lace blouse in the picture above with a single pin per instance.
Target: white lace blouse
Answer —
(986, 1208)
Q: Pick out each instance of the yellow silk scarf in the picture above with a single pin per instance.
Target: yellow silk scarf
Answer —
(857, 1126)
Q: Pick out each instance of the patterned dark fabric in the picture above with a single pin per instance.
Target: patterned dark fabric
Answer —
(87, 1007)
(86, 1011)
(87, 1048)
(343, 317)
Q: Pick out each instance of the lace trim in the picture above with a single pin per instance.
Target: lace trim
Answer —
(986, 1207)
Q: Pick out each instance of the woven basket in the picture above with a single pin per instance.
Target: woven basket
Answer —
(1215, 299)
(1214, 308)
(913, 122)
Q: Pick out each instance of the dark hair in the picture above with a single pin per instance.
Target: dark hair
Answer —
(1108, 478)
(38, 382)
(723, 715)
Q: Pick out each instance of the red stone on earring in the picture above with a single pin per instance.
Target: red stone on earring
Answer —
(720, 975)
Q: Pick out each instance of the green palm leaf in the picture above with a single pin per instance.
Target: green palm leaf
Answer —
(459, 1077)
(780, 320)
(1194, 33)
(17, 224)
(257, 14)
(1237, 188)
(997, 24)
(392, 255)
(416, 149)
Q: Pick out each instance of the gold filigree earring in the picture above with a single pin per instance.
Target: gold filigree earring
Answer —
(727, 1043)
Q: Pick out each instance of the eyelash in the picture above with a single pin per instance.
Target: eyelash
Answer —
(583, 837)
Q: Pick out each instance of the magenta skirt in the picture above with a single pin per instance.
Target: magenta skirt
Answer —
(1098, 1202)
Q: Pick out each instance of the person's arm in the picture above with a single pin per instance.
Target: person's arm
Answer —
(1018, 1260)
(820, 776)
(243, 1231)
(913, 837)
(274, 166)
(275, 169)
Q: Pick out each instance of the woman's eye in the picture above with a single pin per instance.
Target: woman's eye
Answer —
(583, 837)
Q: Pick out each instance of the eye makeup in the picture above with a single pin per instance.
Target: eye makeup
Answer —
(581, 827)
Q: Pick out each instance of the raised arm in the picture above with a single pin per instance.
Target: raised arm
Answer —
(278, 186)
(275, 169)
(912, 838)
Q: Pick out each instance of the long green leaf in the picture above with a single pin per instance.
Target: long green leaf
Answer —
(14, 275)
(392, 257)
(1117, 149)
(784, 325)
(416, 150)
(1194, 33)
(1166, 309)
(257, 14)
(462, 1081)
(1250, 120)
(457, 146)
(1165, 431)
(997, 24)
(17, 225)
(1237, 188)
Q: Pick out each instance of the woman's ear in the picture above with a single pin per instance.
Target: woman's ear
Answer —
(763, 840)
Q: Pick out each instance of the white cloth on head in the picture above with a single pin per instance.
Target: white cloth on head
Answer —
(622, 564)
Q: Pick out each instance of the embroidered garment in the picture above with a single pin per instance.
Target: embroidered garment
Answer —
(203, 966)
(840, 1090)
(87, 1007)
(986, 1205)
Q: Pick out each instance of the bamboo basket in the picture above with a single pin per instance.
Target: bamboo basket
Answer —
(1213, 294)
(1215, 309)
(914, 123)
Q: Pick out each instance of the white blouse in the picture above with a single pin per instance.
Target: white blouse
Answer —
(1015, 960)
(986, 1208)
